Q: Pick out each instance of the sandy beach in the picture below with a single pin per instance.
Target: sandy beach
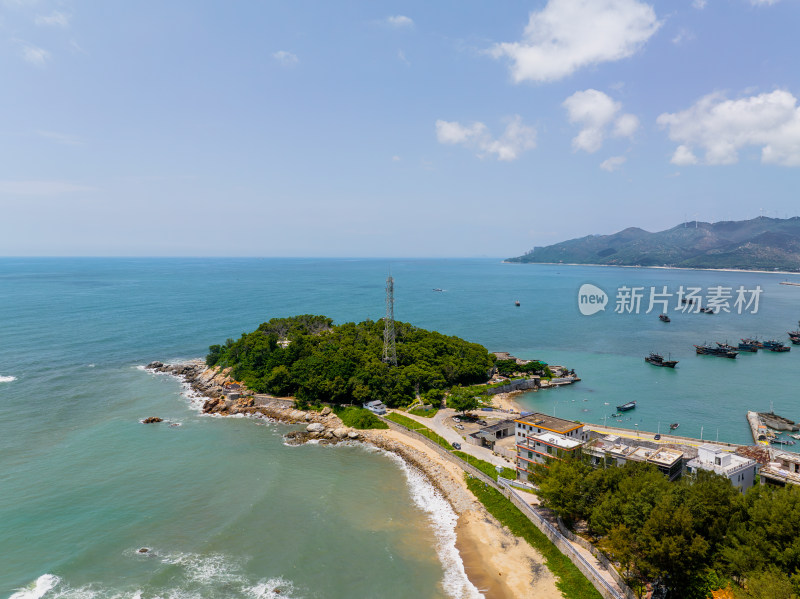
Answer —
(506, 401)
(498, 563)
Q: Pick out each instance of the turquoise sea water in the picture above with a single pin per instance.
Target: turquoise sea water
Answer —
(227, 509)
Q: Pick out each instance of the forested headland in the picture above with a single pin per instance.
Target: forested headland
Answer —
(309, 357)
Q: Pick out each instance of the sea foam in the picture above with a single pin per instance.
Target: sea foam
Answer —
(443, 521)
(7, 379)
(37, 588)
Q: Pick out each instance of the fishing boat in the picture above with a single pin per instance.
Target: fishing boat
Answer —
(776, 346)
(797, 332)
(755, 342)
(658, 360)
(795, 436)
(710, 350)
(663, 318)
(748, 346)
(627, 406)
(674, 425)
(726, 347)
(779, 441)
(516, 303)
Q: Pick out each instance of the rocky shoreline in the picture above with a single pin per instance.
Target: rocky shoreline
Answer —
(225, 397)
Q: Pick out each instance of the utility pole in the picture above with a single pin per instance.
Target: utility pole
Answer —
(389, 347)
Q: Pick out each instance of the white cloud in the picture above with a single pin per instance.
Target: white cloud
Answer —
(41, 188)
(612, 164)
(764, 2)
(515, 139)
(399, 21)
(699, 4)
(34, 55)
(683, 156)
(285, 59)
(402, 57)
(626, 125)
(55, 19)
(595, 111)
(723, 127)
(567, 35)
(684, 35)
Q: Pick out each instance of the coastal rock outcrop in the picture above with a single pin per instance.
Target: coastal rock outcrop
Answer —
(152, 419)
(225, 397)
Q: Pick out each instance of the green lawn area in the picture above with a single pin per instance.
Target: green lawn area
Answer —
(424, 413)
(485, 466)
(420, 428)
(572, 583)
(359, 418)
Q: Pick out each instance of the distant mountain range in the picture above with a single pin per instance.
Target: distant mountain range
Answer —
(757, 244)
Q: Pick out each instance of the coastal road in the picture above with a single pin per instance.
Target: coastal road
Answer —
(437, 425)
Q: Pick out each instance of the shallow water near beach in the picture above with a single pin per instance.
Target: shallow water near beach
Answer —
(223, 506)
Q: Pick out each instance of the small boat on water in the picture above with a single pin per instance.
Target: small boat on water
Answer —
(663, 318)
(795, 436)
(707, 311)
(674, 425)
(627, 406)
(437, 289)
(516, 303)
(797, 332)
(658, 360)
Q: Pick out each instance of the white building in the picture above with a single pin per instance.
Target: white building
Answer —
(741, 471)
(540, 438)
(376, 407)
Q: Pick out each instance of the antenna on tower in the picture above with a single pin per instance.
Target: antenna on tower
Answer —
(389, 348)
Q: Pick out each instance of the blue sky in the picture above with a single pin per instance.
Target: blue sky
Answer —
(449, 128)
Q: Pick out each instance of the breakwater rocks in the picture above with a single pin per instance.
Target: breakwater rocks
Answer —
(226, 397)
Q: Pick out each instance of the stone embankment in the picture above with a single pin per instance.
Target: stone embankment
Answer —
(223, 399)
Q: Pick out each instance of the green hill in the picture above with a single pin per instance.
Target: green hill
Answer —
(757, 244)
(310, 357)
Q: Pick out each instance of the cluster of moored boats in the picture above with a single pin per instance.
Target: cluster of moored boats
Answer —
(746, 345)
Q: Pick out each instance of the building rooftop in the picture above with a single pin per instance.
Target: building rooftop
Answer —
(550, 423)
(557, 440)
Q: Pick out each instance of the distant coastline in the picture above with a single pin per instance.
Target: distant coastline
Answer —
(766, 272)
